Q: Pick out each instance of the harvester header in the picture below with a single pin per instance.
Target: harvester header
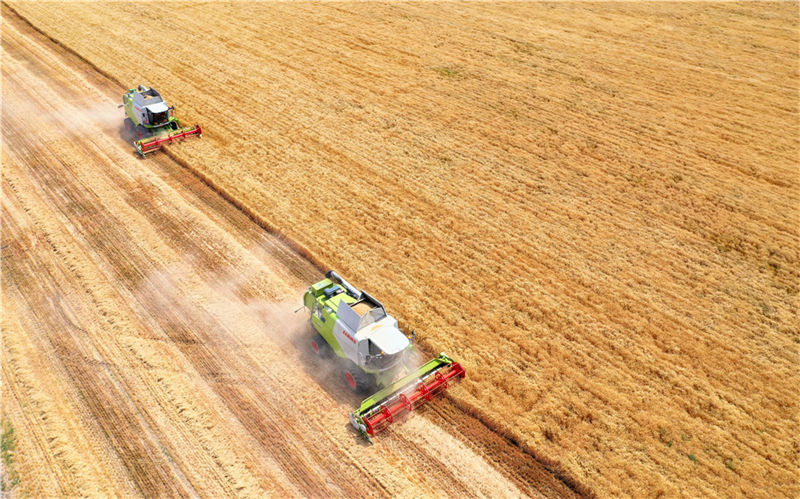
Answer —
(395, 401)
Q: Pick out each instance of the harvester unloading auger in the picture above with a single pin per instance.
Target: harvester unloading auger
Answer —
(151, 122)
(375, 354)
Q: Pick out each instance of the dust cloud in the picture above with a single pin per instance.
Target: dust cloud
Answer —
(102, 116)
(228, 309)
(226, 301)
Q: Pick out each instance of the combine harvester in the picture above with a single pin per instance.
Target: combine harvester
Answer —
(375, 354)
(151, 121)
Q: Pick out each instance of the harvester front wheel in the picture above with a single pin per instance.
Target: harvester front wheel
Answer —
(357, 380)
(320, 347)
(142, 132)
(129, 129)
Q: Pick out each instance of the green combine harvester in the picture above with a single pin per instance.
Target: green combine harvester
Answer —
(151, 122)
(354, 327)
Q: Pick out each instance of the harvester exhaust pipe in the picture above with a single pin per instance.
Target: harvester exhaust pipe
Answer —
(333, 276)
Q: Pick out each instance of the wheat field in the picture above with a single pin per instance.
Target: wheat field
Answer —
(149, 341)
(593, 206)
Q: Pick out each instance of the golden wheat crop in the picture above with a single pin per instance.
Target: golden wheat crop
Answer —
(593, 206)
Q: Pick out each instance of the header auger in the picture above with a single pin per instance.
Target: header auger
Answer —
(151, 122)
(374, 354)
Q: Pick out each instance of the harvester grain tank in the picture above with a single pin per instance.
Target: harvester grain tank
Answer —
(151, 122)
(374, 354)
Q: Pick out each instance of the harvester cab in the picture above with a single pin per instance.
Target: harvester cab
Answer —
(151, 122)
(375, 355)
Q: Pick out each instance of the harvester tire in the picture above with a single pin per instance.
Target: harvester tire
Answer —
(129, 129)
(320, 347)
(357, 380)
(142, 132)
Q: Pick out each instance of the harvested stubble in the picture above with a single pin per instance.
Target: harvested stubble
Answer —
(594, 206)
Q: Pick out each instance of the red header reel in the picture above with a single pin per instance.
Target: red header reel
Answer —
(411, 398)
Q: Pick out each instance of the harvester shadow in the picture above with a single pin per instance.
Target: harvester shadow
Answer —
(329, 375)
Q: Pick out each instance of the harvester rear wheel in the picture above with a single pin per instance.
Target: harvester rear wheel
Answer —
(320, 347)
(357, 380)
